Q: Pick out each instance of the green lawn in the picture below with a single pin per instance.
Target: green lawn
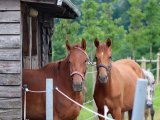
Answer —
(84, 114)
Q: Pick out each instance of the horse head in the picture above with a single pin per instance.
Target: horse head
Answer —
(77, 60)
(150, 87)
(103, 59)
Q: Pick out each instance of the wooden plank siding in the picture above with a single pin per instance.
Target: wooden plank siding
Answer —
(10, 79)
(7, 28)
(9, 5)
(10, 67)
(10, 54)
(10, 91)
(10, 103)
(10, 60)
(10, 41)
(10, 16)
(10, 114)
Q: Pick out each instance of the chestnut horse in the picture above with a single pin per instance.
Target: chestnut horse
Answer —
(68, 76)
(115, 82)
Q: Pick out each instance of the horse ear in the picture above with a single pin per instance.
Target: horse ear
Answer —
(67, 45)
(108, 42)
(83, 43)
(96, 42)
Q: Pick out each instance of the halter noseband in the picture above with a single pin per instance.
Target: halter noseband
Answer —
(108, 68)
(76, 72)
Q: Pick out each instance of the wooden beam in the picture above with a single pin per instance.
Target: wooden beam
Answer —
(10, 41)
(10, 54)
(41, 1)
(10, 79)
(10, 91)
(9, 16)
(10, 66)
(9, 29)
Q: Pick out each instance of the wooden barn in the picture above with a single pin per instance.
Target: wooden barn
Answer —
(26, 27)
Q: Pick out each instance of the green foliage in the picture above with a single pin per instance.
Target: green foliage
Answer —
(136, 31)
(64, 29)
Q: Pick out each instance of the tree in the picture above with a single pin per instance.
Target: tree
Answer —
(89, 22)
(136, 31)
(64, 29)
(97, 21)
(152, 20)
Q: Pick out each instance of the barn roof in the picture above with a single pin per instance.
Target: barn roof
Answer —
(56, 8)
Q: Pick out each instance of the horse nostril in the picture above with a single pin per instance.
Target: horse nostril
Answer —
(102, 78)
(77, 87)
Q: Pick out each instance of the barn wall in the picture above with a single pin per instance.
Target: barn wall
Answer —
(10, 60)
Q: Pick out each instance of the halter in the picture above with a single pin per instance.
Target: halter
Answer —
(77, 72)
(108, 68)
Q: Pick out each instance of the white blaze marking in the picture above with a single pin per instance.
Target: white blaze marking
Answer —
(102, 53)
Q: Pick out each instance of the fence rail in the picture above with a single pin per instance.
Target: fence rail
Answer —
(144, 62)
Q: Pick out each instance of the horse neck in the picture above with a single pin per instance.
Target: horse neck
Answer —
(64, 74)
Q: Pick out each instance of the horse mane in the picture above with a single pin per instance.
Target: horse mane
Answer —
(56, 65)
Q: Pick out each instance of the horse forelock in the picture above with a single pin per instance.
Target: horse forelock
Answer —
(103, 47)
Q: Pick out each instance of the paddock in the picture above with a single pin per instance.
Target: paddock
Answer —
(91, 101)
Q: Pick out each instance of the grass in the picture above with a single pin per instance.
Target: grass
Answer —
(156, 102)
(84, 114)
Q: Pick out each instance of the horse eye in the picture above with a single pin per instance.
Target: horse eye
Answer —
(110, 57)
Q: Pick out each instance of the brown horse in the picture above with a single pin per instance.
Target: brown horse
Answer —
(116, 82)
(68, 76)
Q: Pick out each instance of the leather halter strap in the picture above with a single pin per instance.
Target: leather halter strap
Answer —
(108, 68)
(82, 51)
(76, 72)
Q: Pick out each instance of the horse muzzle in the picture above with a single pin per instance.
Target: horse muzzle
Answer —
(77, 87)
(103, 79)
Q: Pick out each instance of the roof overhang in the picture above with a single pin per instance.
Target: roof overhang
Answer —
(64, 9)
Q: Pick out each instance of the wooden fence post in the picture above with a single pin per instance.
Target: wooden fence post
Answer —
(158, 67)
(139, 100)
(143, 63)
(49, 99)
